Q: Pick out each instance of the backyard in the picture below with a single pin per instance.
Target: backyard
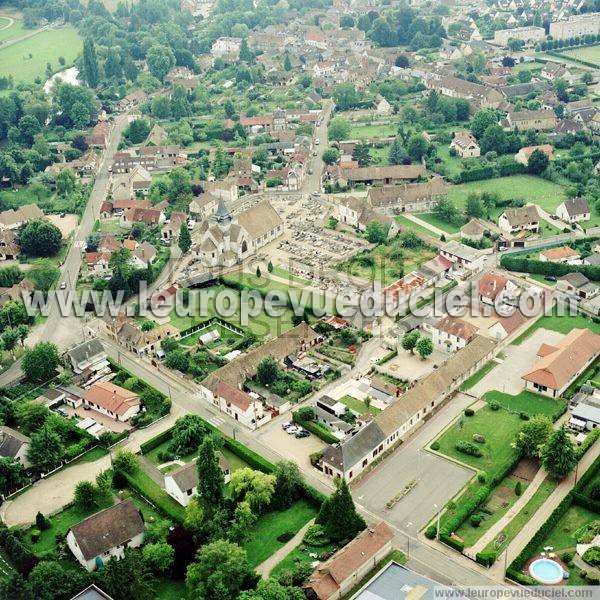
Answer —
(359, 406)
(526, 402)
(26, 60)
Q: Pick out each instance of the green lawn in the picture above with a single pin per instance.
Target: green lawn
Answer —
(454, 164)
(588, 54)
(526, 402)
(500, 501)
(407, 224)
(514, 527)
(530, 188)
(477, 377)
(364, 132)
(563, 324)
(300, 555)
(289, 277)
(170, 589)
(46, 46)
(14, 31)
(359, 406)
(564, 534)
(434, 220)
(263, 539)
(499, 429)
(262, 325)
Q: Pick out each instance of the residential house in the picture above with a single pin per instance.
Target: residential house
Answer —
(577, 285)
(88, 356)
(479, 95)
(561, 364)
(491, 285)
(147, 216)
(182, 484)
(112, 400)
(106, 535)
(382, 106)
(514, 221)
(15, 219)
(574, 210)
(98, 264)
(202, 206)
(561, 254)
(171, 228)
(392, 174)
(226, 47)
(336, 577)
(9, 246)
(465, 144)
(239, 405)
(526, 34)
(408, 197)
(537, 120)
(132, 100)
(145, 343)
(463, 256)
(474, 230)
(144, 255)
(524, 154)
(452, 333)
(131, 185)
(14, 444)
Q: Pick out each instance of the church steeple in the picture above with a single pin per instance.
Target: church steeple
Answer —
(222, 216)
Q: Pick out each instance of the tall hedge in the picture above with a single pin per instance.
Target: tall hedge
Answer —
(530, 265)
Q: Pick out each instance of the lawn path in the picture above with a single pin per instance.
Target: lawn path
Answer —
(426, 225)
(540, 517)
(265, 568)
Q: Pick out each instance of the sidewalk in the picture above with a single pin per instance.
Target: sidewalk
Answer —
(268, 565)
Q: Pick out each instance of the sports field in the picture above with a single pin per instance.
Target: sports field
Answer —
(26, 60)
(588, 54)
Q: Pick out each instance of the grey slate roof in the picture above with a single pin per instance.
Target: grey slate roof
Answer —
(353, 450)
(577, 206)
(11, 442)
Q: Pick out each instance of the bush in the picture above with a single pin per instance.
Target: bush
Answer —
(592, 578)
(494, 405)
(482, 476)
(431, 532)
(524, 416)
(592, 556)
(476, 520)
(518, 488)
(468, 448)
(487, 559)
(435, 446)
(465, 509)
(286, 536)
(469, 412)
(315, 536)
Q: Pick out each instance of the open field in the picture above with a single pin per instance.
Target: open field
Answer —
(26, 60)
(434, 220)
(588, 54)
(526, 402)
(545, 193)
(365, 132)
(11, 28)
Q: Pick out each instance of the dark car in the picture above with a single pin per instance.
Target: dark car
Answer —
(550, 278)
(302, 433)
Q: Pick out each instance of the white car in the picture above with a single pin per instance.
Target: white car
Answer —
(63, 285)
(286, 424)
(317, 142)
(291, 430)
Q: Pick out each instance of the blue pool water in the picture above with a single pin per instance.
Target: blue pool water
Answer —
(546, 571)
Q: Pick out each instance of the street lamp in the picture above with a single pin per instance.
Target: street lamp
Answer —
(439, 512)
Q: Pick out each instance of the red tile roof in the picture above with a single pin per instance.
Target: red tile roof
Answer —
(111, 397)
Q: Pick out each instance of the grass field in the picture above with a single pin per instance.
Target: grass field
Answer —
(46, 46)
(434, 220)
(564, 534)
(407, 224)
(561, 324)
(359, 406)
(526, 402)
(545, 193)
(477, 377)
(364, 132)
(588, 54)
(11, 31)
(499, 429)
(263, 539)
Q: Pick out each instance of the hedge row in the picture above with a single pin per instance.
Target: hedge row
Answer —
(156, 441)
(463, 511)
(588, 443)
(529, 265)
(487, 559)
(158, 498)
(316, 428)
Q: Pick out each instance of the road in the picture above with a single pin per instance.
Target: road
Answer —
(312, 182)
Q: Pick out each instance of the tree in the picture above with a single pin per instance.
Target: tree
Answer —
(538, 162)
(482, 120)
(338, 515)
(188, 432)
(267, 370)
(160, 59)
(339, 129)
(494, 139)
(242, 522)
(331, 156)
(534, 434)
(345, 96)
(40, 363)
(125, 461)
(361, 155)
(180, 106)
(211, 483)
(376, 232)
(447, 212)
(46, 449)
(159, 557)
(397, 154)
(258, 272)
(90, 63)
(474, 206)
(65, 182)
(128, 578)
(11, 474)
(558, 455)
(424, 347)
(138, 131)
(409, 340)
(417, 146)
(185, 239)
(50, 580)
(219, 572)
(177, 360)
(246, 54)
(85, 495)
(287, 63)
(40, 238)
(288, 483)
(253, 486)
(402, 61)
(269, 589)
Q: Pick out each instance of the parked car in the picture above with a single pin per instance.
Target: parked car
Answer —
(302, 433)
(62, 412)
(550, 278)
(293, 429)
(286, 424)
(63, 285)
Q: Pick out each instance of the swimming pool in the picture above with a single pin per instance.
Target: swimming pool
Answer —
(546, 571)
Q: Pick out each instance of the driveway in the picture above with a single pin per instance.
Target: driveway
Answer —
(438, 479)
(506, 377)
